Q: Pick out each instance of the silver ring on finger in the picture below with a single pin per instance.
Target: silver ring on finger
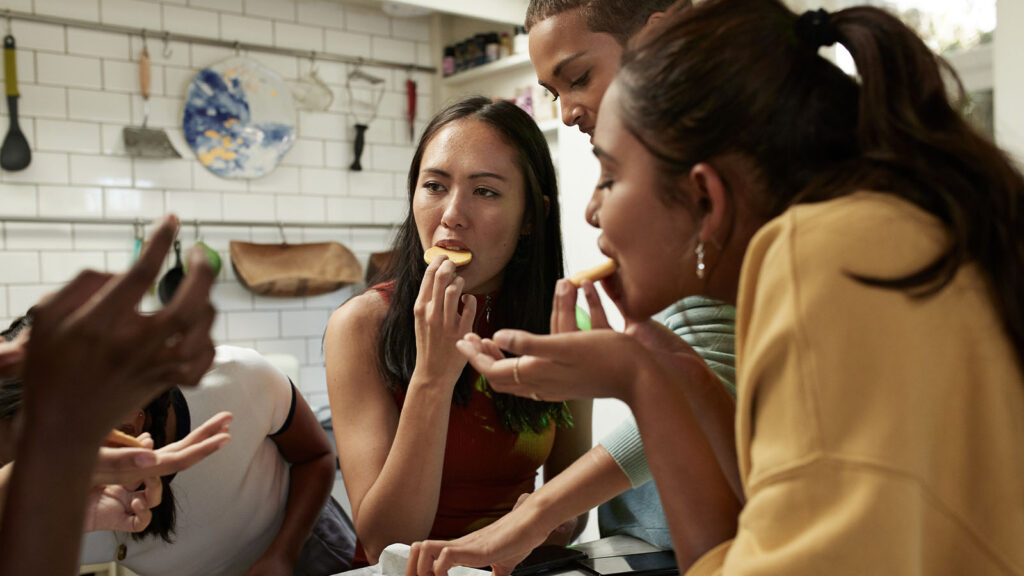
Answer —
(515, 371)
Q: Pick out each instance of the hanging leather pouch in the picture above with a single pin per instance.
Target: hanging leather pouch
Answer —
(294, 270)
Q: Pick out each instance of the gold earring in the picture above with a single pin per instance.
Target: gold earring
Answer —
(699, 250)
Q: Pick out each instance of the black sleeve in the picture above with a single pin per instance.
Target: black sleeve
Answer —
(291, 412)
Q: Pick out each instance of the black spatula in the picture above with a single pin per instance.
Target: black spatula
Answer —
(15, 153)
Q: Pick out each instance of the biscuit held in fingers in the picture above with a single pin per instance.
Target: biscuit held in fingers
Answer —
(458, 257)
(594, 274)
(118, 438)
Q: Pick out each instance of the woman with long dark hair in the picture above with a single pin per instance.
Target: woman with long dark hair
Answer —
(873, 243)
(426, 447)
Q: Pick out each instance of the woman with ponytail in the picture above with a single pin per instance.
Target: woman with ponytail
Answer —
(872, 242)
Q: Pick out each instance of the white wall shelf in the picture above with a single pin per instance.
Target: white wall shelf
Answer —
(515, 62)
(505, 11)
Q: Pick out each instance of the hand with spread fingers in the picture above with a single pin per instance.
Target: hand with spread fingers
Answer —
(535, 372)
(129, 466)
(594, 364)
(440, 323)
(551, 358)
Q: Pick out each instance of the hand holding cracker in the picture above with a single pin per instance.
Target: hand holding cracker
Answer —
(594, 274)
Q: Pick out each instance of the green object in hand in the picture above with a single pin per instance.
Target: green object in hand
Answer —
(582, 319)
(211, 256)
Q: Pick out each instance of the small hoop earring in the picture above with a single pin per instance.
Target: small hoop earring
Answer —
(699, 250)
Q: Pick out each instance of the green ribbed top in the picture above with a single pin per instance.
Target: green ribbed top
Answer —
(709, 326)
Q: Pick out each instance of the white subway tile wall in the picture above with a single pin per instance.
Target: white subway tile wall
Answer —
(135, 13)
(79, 89)
(245, 29)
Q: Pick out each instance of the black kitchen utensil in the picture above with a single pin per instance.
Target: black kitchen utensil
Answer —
(358, 149)
(172, 278)
(374, 87)
(15, 153)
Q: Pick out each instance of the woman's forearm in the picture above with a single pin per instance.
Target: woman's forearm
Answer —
(590, 481)
(45, 510)
(401, 504)
(715, 412)
(697, 498)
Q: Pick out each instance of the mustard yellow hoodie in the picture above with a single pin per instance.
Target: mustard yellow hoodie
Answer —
(878, 433)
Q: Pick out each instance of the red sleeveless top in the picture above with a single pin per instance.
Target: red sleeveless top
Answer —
(486, 466)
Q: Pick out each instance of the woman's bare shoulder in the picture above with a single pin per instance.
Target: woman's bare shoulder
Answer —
(362, 312)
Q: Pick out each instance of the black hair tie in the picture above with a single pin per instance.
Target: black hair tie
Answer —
(813, 28)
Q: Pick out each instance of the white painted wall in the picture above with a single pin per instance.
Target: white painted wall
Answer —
(1008, 77)
(79, 89)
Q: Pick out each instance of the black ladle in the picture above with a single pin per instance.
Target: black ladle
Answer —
(168, 284)
(15, 153)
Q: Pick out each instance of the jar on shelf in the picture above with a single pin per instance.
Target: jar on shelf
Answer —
(505, 45)
(492, 47)
(448, 62)
(461, 55)
(480, 49)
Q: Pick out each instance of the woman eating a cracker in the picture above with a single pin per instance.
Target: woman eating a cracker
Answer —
(426, 447)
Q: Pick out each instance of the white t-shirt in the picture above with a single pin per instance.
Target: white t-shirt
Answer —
(230, 505)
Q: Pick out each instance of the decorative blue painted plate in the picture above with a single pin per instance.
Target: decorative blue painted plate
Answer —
(239, 118)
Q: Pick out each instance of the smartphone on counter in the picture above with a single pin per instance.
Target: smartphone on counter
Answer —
(646, 564)
(548, 558)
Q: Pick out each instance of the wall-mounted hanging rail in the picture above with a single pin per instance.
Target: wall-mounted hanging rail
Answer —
(186, 222)
(178, 37)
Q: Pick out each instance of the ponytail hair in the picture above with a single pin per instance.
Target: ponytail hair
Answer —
(744, 77)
